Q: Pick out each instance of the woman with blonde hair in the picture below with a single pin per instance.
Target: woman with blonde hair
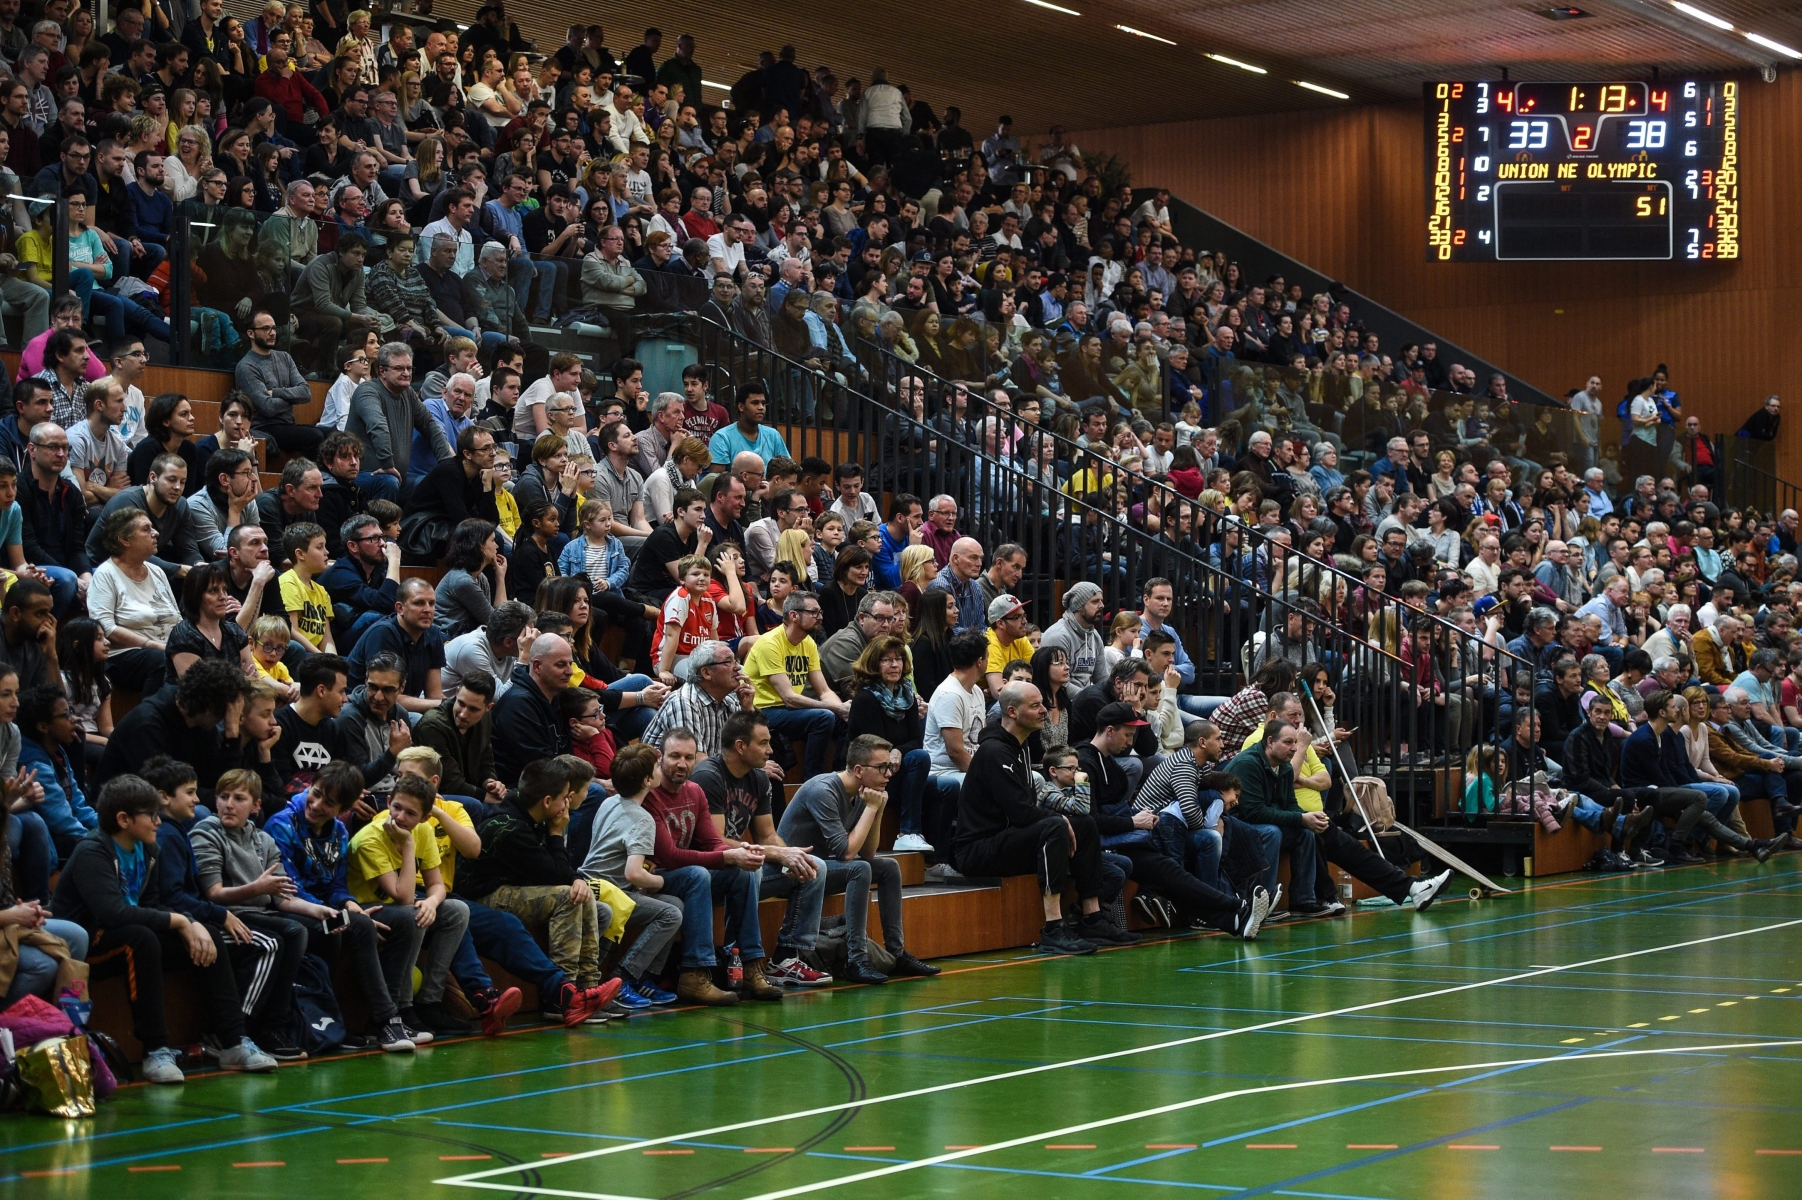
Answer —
(425, 176)
(918, 566)
(795, 548)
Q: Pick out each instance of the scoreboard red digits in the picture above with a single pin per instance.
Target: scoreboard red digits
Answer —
(1584, 170)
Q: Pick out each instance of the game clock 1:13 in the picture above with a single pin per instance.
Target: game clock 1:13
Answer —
(1588, 170)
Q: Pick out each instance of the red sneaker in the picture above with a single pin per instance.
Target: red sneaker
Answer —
(590, 1001)
(494, 1008)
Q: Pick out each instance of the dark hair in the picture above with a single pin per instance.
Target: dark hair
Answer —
(210, 686)
(483, 686)
(158, 412)
(125, 796)
(23, 591)
(1043, 659)
(542, 779)
(741, 727)
(319, 670)
(194, 588)
(298, 536)
(165, 774)
(935, 618)
(633, 767)
(848, 557)
(968, 648)
(35, 705)
(223, 462)
(558, 594)
(75, 652)
(466, 542)
(571, 703)
(338, 783)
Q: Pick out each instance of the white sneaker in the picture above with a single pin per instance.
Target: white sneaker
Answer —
(246, 1056)
(1252, 914)
(1421, 895)
(160, 1066)
(912, 843)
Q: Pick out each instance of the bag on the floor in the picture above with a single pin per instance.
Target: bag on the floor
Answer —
(55, 1077)
(1373, 794)
(318, 1023)
(828, 953)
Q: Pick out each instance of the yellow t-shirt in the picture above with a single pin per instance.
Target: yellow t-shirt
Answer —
(309, 600)
(30, 248)
(1000, 656)
(1309, 799)
(372, 854)
(774, 655)
(279, 672)
(447, 857)
(508, 508)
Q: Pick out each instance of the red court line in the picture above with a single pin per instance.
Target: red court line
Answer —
(1585, 1149)
(556, 1154)
(1170, 1145)
(1371, 1146)
(1777, 1151)
(1679, 1150)
(461, 1158)
(141, 1170)
(349, 1161)
(47, 1174)
(1455, 1146)
(1270, 1145)
(669, 1151)
(260, 1164)
(866, 1149)
(1070, 1145)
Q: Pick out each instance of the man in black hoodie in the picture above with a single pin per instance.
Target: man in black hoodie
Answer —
(100, 889)
(1001, 830)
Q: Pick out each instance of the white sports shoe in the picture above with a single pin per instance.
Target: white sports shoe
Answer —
(1422, 894)
(912, 843)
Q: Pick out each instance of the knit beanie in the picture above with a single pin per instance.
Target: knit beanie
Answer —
(1079, 595)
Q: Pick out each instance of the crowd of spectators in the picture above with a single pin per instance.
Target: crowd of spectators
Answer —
(364, 716)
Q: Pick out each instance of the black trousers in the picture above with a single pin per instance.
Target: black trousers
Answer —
(1690, 807)
(1162, 874)
(629, 616)
(1362, 863)
(266, 969)
(295, 439)
(141, 955)
(1042, 849)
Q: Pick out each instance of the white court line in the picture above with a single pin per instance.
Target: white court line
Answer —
(475, 1179)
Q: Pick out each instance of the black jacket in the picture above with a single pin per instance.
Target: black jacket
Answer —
(275, 522)
(157, 726)
(89, 892)
(1109, 791)
(526, 728)
(1087, 705)
(999, 791)
(516, 851)
(55, 525)
(337, 500)
(445, 489)
(1592, 764)
(466, 760)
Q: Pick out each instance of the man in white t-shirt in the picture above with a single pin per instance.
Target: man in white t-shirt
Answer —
(127, 358)
(726, 249)
(958, 710)
(638, 177)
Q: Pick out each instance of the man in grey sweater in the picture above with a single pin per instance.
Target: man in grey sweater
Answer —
(384, 414)
(178, 531)
(1076, 635)
(274, 384)
(328, 299)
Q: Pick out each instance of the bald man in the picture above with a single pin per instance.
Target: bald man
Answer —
(959, 577)
(526, 727)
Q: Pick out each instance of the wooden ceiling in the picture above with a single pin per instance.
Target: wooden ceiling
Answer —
(1044, 66)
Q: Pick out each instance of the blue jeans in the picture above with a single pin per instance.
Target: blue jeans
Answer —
(907, 788)
(36, 973)
(378, 487)
(63, 585)
(698, 888)
(549, 273)
(501, 936)
(122, 259)
(121, 313)
(486, 337)
(1763, 785)
(814, 724)
(1588, 813)
(629, 724)
(1273, 839)
(801, 923)
(1723, 798)
(34, 851)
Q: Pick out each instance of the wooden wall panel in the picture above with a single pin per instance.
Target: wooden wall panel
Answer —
(1342, 191)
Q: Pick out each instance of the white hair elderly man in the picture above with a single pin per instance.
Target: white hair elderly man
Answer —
(1673, 639)
(1596, 484)
(503, 313)
(450, 409)
(655, 442)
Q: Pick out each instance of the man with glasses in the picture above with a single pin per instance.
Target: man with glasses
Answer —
(275, 386)
(877, 614)
(55, 521)
(783, 667)
(390, 143)
(384, 414)
(465, 485)
(789, 510)
(364, 582)
(716, 689)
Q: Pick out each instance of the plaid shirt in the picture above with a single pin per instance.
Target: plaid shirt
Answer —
(690, 707)
(1239, 716)
(68, 406)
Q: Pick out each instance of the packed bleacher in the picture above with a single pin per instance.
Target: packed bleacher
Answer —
(461, 648)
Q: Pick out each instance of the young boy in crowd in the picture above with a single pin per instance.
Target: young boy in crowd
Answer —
(268, 643)
(307, 604)
(524, 869)
(388, 862)
(239, 867)
(690, 617)
(455, 833)
(315, 850)
(625, 837)
(103, 889)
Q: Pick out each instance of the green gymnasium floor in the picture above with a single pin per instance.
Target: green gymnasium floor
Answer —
(1634, 1036)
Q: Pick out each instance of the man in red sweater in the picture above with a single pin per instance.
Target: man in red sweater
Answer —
(287, 88)
(700, 868)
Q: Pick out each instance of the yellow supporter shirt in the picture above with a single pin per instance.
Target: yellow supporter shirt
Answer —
(373, 854)
(447, 857)
(775, 655)
(1000, 656)
(312, 603)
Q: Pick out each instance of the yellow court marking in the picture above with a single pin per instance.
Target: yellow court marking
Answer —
(1639, 1025)
(1697, 1010)
(1572, 1041)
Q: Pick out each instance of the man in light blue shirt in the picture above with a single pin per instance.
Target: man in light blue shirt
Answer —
(1156, 604)
(748, 434)
(451, 410)
(1599, 503)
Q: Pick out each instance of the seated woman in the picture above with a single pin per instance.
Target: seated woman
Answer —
(396, 287)
(627, 700)
(169, 429)
(232, 279)
(206, 631)
(91, 270)
(475, 581)
(132, 601)
(886, 705)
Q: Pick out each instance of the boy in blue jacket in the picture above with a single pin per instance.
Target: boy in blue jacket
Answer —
(46, 727)
(315, 849)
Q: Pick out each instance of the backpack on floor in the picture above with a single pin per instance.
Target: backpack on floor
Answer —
(318, 1023)
(828, 953)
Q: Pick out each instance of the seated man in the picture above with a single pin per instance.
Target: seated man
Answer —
(1001, 830)
(698, 865)
(782, 666)
(840, 814)
(524, 869)
(239, 867)
(364, 583)
(410, 636)
(386, 858)
(460, 732)
(1268, 798)
(315, 853)
(100, 889)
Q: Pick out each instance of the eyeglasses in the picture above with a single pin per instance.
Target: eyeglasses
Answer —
(886, 768)
(273, 649)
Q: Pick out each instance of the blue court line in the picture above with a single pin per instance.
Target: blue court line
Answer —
(98, 1137)
(1372, 1159)
(165, 1153)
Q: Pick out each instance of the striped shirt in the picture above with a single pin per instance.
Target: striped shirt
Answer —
(691, 708)
(1178, 778)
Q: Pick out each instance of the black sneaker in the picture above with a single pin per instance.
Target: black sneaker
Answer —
(1763, 848)
(1150, 912)
(394, 1038)
(1097, 928)
(1055, 939)
(1310, 908)
(907, 964)
(278, 1047)
(862, 972)
(417, 1032)
(1678, 856)
(438, 1019)
(1645, 858)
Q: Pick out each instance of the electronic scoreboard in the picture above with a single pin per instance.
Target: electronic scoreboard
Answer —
(1626, 170)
